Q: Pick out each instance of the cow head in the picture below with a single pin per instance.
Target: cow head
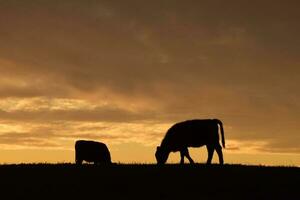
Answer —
(161, 155)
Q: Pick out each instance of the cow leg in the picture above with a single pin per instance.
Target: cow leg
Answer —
(187, 154)
(210, 152)
(78, 162)
(220, 154)
(182, 157)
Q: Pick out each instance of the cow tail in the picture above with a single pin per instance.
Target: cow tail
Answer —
(109, 157)
(222, 131)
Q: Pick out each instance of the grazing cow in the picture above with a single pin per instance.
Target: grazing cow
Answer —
(192, 133)
(91, 151)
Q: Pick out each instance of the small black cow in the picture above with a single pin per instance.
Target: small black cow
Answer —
(91, 151)
(192, 133)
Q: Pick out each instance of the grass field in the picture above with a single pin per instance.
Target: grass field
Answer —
(139, 181)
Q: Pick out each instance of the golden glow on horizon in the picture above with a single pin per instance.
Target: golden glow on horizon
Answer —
(102, 71)
(137, 154)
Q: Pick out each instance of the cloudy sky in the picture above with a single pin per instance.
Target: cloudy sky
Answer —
(123, 72)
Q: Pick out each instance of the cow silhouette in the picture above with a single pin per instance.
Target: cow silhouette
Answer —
(192, 133)
(91, 151)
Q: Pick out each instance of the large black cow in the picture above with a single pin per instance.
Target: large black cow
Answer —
(192, 133)
(91, 151)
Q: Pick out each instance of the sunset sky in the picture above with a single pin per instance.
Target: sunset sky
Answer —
(123, 72)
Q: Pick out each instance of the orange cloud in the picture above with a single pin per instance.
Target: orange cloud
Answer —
(137, 68)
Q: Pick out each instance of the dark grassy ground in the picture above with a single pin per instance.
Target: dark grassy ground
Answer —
(58, 181)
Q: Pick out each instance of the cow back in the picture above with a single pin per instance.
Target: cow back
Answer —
(92, 151)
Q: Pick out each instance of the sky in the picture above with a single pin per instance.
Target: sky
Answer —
(123, 72)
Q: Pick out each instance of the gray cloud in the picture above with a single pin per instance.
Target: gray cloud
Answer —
(55, 136)
(27, 140)
(235, 60)
(281, 146)
(104, 114)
